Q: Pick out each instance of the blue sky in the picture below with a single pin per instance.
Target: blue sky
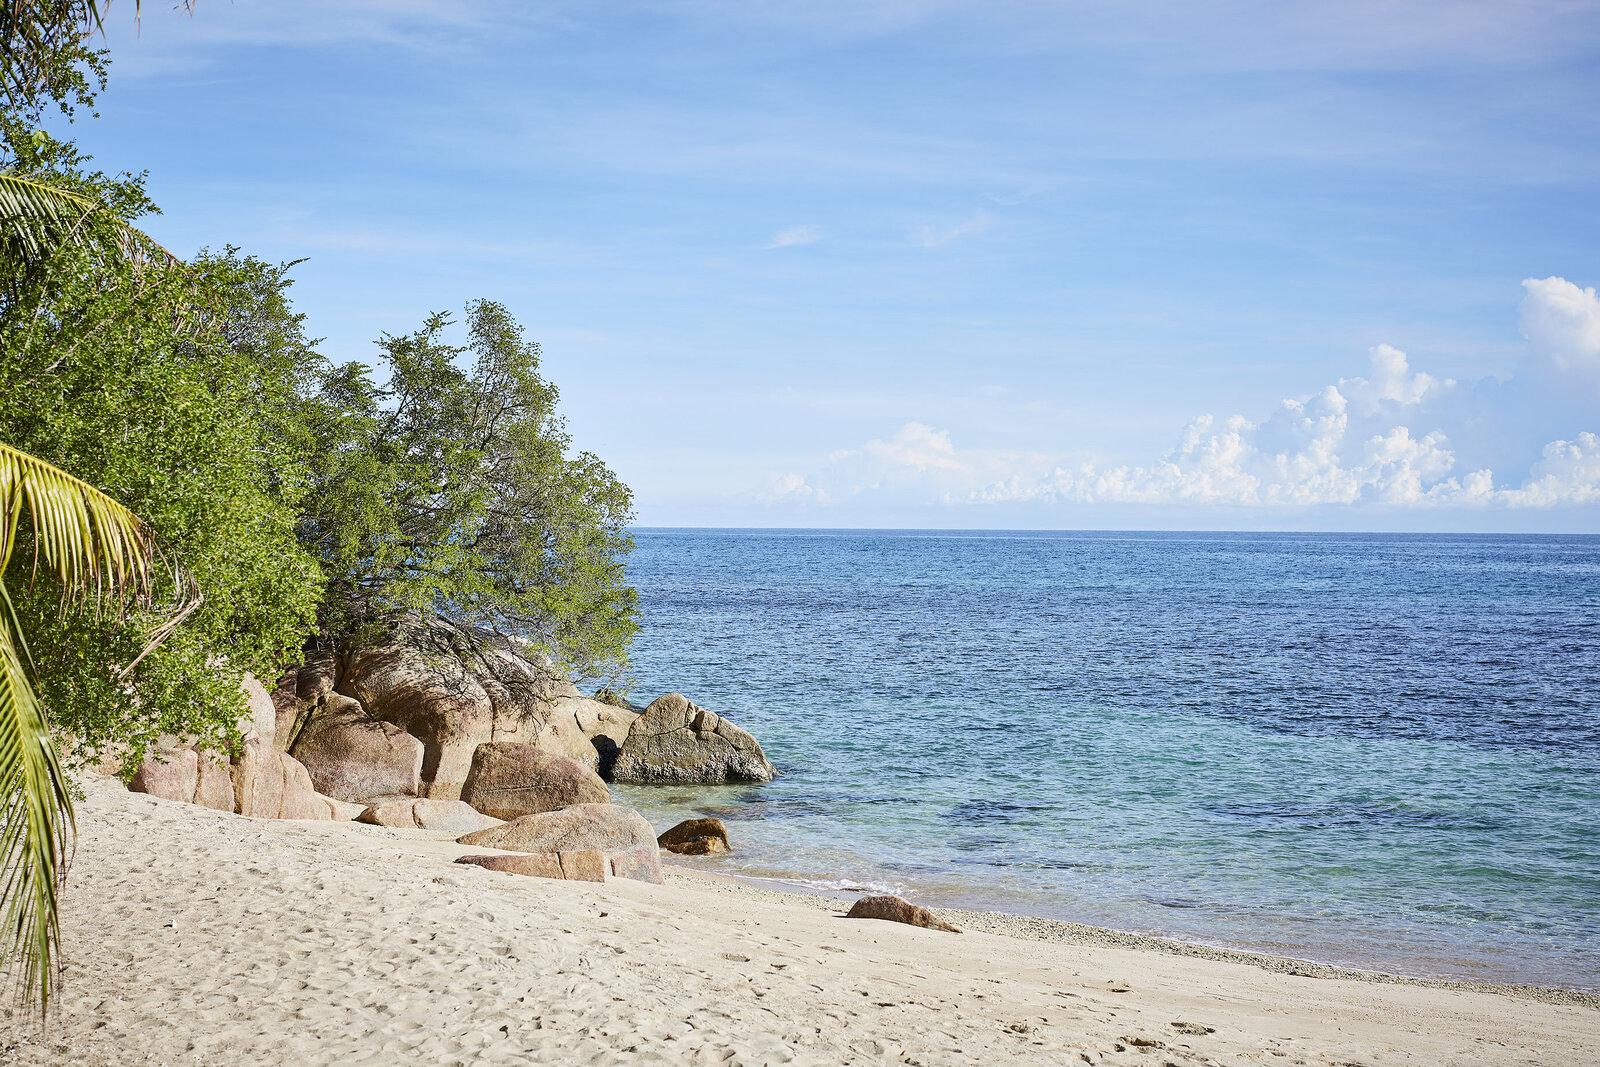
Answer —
(945, 264)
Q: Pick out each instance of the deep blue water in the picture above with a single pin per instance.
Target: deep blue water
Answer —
(1378, 750)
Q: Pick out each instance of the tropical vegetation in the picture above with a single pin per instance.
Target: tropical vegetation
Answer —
(189, 490)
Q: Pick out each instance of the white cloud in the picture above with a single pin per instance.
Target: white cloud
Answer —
(794, 487)
(932, 237)
(1562, 323)
(1374, 440)
(1569, 474)
(918, 447)
(1391, 381)
(798, 235)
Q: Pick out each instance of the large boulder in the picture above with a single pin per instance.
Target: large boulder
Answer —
(676, 741)
(270, 784)
(182, 772)
(455, 688)
(354, 757)
(450, 816)
(621, 833)
(177, 771)
(510, 779)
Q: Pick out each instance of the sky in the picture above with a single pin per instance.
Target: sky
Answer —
(937, 263)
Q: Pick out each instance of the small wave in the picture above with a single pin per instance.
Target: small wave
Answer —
(841, 885)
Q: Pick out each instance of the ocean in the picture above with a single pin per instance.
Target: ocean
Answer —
(1380, 751)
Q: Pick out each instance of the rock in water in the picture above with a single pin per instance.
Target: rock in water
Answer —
(451, 816)
(509, 780)
(675, 741)
(586, 866)
(696, 837)
(899, 910)
(354, 757)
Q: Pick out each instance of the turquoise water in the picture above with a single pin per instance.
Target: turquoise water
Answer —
(1380, 751)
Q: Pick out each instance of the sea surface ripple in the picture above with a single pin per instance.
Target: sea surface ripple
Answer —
(1371, 750)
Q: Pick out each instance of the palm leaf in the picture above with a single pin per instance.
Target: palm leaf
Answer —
(37, 217)
(96, 549)
(39, 821)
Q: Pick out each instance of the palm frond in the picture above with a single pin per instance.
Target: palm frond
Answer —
(96, 549)
(39, 823)
(37, 216)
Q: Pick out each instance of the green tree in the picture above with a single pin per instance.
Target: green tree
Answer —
(457, 491)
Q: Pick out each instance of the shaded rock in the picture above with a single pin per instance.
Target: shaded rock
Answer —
(270, 784)
(695, 837)
(607, 827)
(897, 909)
(299, 690)
(675, 740)
(352, 756)
(450, 816)
(455, 688)
(215, 786)
(584, 866)
(639, 864)
(510, 779)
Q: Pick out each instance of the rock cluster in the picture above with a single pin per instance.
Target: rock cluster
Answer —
(442, 727)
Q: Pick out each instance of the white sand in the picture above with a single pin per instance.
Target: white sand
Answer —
(199, 937)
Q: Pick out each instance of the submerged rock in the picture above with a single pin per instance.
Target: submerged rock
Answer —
(676, 741)
(509, 779)
(695, 837)
(899, 910)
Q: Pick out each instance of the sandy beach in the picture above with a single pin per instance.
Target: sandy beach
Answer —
(194, 936)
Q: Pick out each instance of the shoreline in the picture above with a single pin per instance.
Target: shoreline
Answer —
(195, 936)
(1066, 932)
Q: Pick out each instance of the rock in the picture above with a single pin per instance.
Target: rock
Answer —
(584, 866)
(677, 741)
(897, 909)
(616, 700)
(177, 771)
(639, 864)
(262, 718)
(509, 779)
(609, 828)
(696, 837)
(455, 688)
(171, 772)
(299, 690)
(270, 784)
(451, 816)
(354, 757)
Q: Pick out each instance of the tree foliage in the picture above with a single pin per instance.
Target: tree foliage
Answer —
(455, 490)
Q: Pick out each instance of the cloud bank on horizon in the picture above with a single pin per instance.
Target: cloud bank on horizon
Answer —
(1385, 438)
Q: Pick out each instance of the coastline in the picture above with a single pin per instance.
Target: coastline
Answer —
(1061, 931)
(195, 936)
